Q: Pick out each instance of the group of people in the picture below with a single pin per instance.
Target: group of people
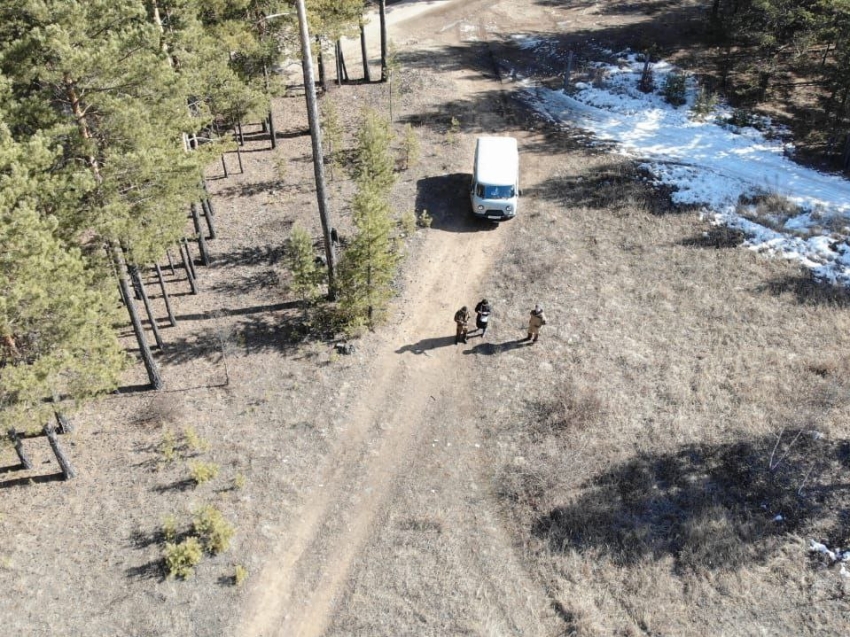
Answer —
(482, 318)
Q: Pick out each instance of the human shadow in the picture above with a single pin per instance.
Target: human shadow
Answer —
(426, 344)
(708, 506)
(489, 349)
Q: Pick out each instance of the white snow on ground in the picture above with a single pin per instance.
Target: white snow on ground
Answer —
(709, 162)
(833, 556)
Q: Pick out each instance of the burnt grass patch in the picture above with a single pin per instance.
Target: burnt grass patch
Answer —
(709, 506)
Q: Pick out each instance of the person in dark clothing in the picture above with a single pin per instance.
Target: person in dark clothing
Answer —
(482, 318)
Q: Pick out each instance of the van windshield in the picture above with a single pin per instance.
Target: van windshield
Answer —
(495, 192)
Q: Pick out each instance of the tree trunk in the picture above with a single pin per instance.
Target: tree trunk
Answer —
(342, 62)
(170, 262)
(187, 266)
(239, 135)
(321, 61)
(189, 263)
(207, 197)
(272, 132)
(144, 349)
(208, 215)
(224, 165)
(316, 138)
(171, 318)
(65, 426)
(61, 458)
(337, 64)
(26, 463)
(385, 69)
(239, 159)
(137, 279)
(202, 243)
(366, 76)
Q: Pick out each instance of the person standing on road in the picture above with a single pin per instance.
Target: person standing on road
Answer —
(462, 322)
(482, 311)
(535, 322)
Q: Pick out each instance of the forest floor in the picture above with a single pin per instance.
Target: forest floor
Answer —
(614, 478)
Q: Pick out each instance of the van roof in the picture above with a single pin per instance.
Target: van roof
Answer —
(498, 161)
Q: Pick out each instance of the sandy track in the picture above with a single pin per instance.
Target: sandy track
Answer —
(295, 594)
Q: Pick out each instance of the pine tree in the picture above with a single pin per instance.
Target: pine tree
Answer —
(56, 335)
(373, 159)
(93, 76)
(302, 264)
(369, 263)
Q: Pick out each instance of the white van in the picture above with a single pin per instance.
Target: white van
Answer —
(495, 178)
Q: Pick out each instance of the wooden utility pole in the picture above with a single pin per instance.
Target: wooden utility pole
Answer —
(316, 137)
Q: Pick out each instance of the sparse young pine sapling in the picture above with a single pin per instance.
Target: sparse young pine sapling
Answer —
(409, 147)
(181, 559)
(425, 220)
(213, 530)
(202, 472)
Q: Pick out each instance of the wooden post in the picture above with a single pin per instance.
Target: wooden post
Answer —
(239, 159)
(224, 165)
(171, 318)
(26, 463)
(61, 458)
(239, 136)
(202, 243)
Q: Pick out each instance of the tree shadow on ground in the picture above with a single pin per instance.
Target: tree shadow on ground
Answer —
(446, 198)
(426, 344)
(154, 570)
(709, 506)
(618, 187)
(718, 237)
(23, 482)
(251, 255)
(267, 279)
(807, 291)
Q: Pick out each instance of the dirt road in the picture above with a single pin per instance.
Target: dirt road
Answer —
(417, 398)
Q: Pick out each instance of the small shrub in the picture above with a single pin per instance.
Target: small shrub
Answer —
(202, 472)
(181, 559)
(425, 220)
(742, 118)
(214, 531)
(168, 446)
(408, 222)
(452, 132)
(169, 528)
(239, 481)
(704, 104)
(194, 441)
(674, 89)
(240, 574)
(410, 148)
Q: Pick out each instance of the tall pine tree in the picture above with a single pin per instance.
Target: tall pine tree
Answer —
(56, 314)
